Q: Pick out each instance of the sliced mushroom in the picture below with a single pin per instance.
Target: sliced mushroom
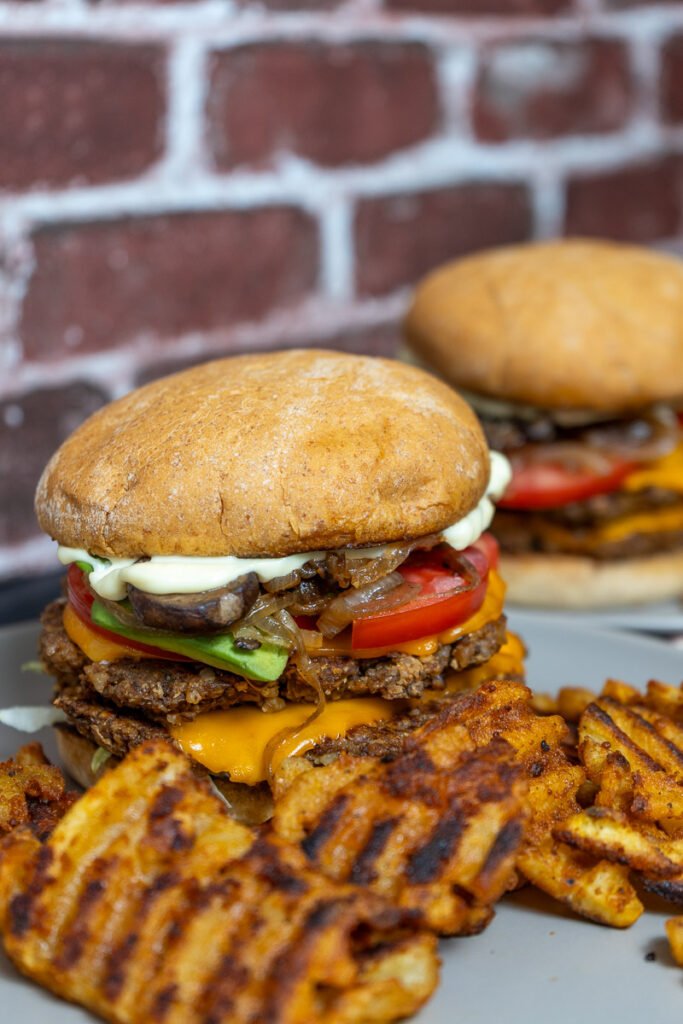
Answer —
(208, 612)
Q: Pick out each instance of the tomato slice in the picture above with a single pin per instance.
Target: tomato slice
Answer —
(81, 600)
(544, 485)
(443, 602)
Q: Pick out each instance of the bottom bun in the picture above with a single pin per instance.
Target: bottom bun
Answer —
(251, 805)
(569, 581)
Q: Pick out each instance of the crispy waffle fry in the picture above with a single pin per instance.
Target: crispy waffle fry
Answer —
(148, 902)
(674, 933)
(32, 792)
(354, 820)
(600, 891)
(632, 748)
(436, 830)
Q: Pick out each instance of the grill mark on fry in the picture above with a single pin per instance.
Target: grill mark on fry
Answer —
(315, 840)
(632, 715)
(596, 712)
(504, 846)
(272, 868)
(363, 871)
(218, 997)
(426, 864)
(75, 937)
(292, 963)
(163, 1001)
(114, 975)
(21, 907)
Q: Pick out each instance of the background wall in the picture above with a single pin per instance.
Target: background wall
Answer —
(184, 179)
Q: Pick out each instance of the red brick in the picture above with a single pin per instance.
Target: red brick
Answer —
(32, 426)
(537, 89)
(504, 8)
(399, 238)
(330, 104)
(640, 203)
(75, 111)
(671, 81)
(99, 285)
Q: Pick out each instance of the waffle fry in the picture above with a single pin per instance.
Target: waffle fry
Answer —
(32, 792)
(148, 902)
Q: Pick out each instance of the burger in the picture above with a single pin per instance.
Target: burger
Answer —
(571, 352)
(271, 555)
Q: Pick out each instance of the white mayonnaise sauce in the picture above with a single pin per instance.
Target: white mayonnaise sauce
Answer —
(181, 574)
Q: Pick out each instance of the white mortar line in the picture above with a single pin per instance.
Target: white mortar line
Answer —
(456, 69)
(336, 248)
(187, 85)
(223, 24)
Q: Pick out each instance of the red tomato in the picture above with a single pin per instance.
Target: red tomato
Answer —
(441, 604)
(81, 600)
(539, 485)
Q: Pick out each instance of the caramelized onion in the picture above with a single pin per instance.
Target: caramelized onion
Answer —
(572, 455)
(352, 566)
(372, 599)
(308, 571)
(262, 621)
(308, 671)
(644, 438)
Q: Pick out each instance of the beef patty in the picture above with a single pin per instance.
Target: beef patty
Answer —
(169, 691)
(521, 532)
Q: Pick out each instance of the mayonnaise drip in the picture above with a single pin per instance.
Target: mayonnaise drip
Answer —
(182, 574)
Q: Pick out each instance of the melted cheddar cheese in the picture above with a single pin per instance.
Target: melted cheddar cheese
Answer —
(236, 740)
(666, 472)
(93, 645)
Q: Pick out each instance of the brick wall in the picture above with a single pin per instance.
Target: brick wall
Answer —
(182, 179)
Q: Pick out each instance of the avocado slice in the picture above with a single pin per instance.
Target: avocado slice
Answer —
(265, 664)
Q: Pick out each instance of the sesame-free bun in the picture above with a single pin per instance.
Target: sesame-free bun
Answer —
(573, 582)
(568, 324)
(267, 455)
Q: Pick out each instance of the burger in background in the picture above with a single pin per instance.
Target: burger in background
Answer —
(271, 555)
(571, 352)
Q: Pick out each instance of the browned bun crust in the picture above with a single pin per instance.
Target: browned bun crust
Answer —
(563, 325)
(267, 455)
(568, 581)
(251, 805)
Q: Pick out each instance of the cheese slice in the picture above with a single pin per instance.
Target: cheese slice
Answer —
(93, 645)
(236, 740)
(663, 520)
(666, 472)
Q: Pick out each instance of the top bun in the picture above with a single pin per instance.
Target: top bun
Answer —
(560, 325)
(267, 455)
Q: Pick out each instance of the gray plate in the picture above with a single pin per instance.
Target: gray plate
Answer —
(534, 963)
(664, 617)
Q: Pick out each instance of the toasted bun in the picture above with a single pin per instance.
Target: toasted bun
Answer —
(267, 455)
(561, 325)
(568, 581)
(249, 804)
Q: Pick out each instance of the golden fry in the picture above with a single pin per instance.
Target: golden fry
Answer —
(436, 830)
(148, 901)
(674, 933)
